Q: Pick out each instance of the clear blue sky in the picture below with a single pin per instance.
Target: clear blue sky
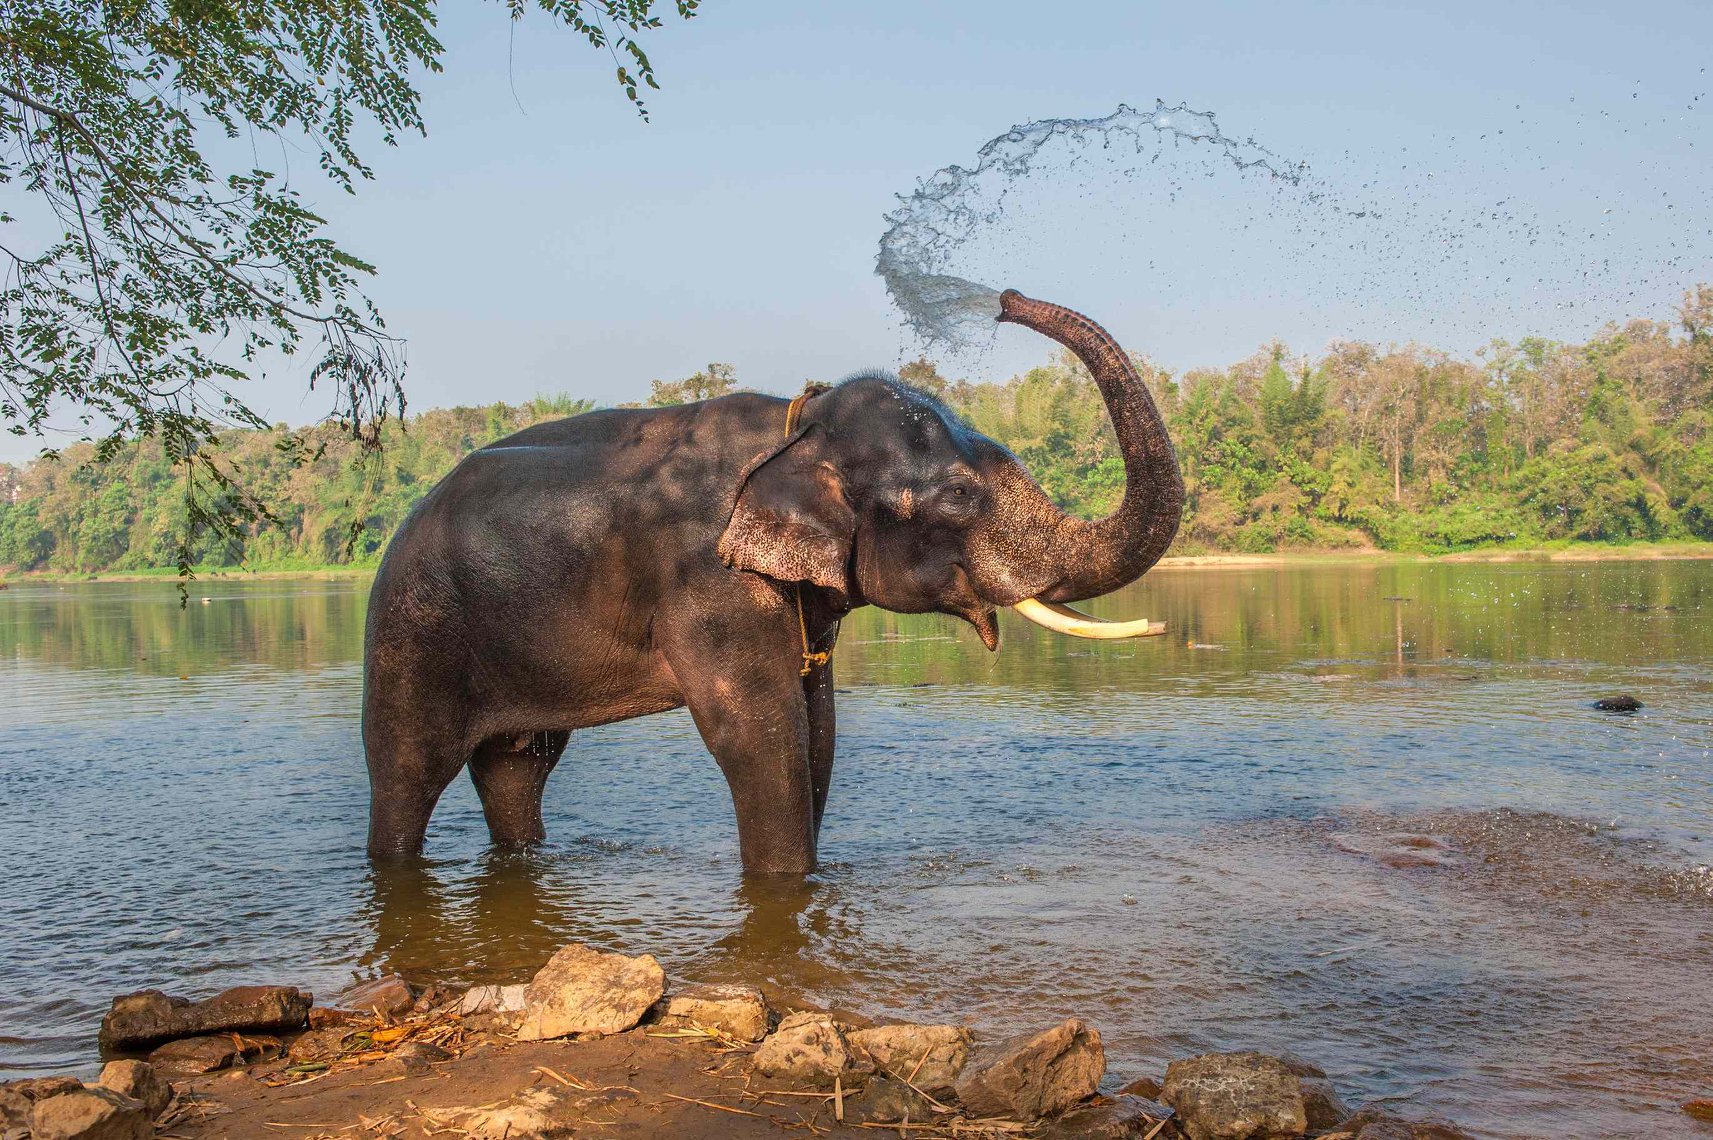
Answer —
(550, 241)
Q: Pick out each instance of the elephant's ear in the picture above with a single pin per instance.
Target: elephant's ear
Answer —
(792, 521)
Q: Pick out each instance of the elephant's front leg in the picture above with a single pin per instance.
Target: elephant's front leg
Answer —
(740, 677)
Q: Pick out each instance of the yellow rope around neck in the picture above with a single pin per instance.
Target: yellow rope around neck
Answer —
(793, 413)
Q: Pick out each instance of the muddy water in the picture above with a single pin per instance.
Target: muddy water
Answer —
(1361, 812)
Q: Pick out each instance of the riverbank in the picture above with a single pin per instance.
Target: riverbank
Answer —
(599, 1041)
(1570, 552)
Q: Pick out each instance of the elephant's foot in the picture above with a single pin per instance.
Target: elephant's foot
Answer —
(510, 775)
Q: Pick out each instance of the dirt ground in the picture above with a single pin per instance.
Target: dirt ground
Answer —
(683, 1087)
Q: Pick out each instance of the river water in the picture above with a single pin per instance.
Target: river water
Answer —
(1361, 812)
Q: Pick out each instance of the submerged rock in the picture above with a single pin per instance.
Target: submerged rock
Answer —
(1376, 1123)
(1122, 1117)
(1035, 1074)
(1623, 702)
(1249, 1096)
(140, 1020)
(388, 995)
(927, 1056)
(139, 1081)
(810, 1049)
(90, 1114)
(737, 1011)
(582, 990)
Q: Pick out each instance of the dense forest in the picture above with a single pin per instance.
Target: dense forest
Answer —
(1398, 448)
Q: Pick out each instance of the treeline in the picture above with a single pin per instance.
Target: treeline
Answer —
(1400, 448)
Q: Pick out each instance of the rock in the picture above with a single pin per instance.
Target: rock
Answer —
(318, 1045)
(40, 1088)
(1117, 1118)
(737, 1011)
(386, 996)
(194, 1056)
(412, 1059)
(140, 1020)
(809, 1049)
(541, 1113)
(1237, 1096)
(1623, 702)
(1034, 1075)
(139, 1081)
(1321, 1104)
(433, 998)
(492, 999)
(1145, 1087)
(326, 1017)
(15, 1112)
(941, 1051)
(90, 1114)
(18, 1100)
(1700, 1109)
(884, 1101)
(1376, 1123)
(581, 990)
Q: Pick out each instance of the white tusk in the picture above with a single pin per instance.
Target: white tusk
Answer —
(1063, 619)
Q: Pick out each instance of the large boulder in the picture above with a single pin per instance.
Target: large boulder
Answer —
(810, 1049)
(927, 1056)
(1123, 1117)
(582, 990)
(1250, 1096)
(90, 1114)
(737, 1011)
(139, 1081)
(1035, 1074)
(140, 1020)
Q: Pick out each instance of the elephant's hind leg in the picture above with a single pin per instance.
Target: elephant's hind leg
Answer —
(408, 769)
(510, 774)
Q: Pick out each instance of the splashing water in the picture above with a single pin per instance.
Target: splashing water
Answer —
(1490, 228)
(946, 210)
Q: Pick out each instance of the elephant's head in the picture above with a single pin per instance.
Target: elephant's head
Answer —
(882, 496)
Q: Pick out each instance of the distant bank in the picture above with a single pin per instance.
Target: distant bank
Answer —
(1570, 552)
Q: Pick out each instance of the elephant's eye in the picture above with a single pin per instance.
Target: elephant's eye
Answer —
(960, 491)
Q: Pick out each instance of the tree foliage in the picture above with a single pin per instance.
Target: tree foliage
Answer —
(156, 256)
(1400, 448)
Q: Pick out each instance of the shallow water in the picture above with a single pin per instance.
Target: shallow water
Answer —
(1376, 822)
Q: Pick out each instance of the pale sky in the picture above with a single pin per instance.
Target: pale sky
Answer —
(544, 239)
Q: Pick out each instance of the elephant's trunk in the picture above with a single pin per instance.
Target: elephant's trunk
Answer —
(1096, 557)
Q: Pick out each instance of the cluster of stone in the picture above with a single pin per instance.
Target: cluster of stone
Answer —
(1048, 1080)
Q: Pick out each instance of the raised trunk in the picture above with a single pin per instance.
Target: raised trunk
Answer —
(1094, 558)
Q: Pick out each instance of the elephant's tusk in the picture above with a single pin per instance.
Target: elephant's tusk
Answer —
(1063, 619)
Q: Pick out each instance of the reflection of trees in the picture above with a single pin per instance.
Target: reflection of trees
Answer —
(282, 625)
(1273, 617)
(1265, 618)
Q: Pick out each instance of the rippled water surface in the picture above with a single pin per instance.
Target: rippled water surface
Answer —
(1365, 813)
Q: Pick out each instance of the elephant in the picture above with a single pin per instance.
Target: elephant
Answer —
(629, 561)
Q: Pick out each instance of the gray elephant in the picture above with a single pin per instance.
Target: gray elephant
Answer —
(630, 561)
